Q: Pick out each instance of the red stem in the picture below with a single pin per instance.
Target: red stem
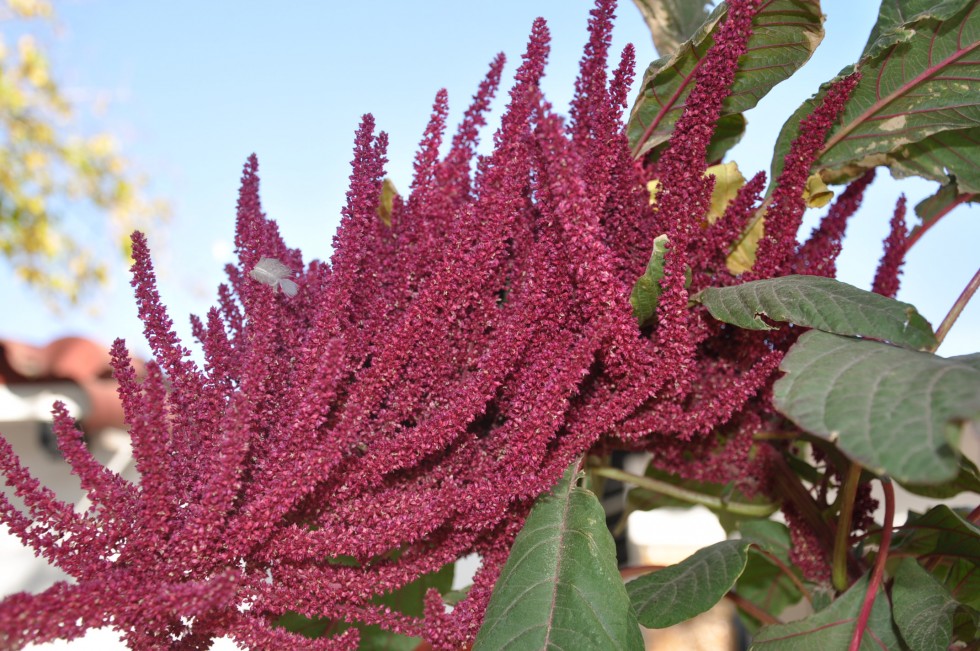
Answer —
(921, 230)
(751, 609)
(775, 560)
(974, 516)
(879, 567)
(954, 312)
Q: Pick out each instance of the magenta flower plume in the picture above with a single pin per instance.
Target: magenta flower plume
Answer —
(357, 425)
(888, 274)
(818, 255)
(787, 205)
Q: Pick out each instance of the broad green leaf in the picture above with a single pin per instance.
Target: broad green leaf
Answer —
(966, 624)
(672, 22)
(942, 157)
(408, 600)
(728, 133)
(892, 410)
(821, 303)
(763, 583)
(944, 534)
(923, 608)
(896, 20)
(785, 34)
(918, 80)
(833, 627)
(679, 592)
(560, 588)
(646, 291)
(967, 480)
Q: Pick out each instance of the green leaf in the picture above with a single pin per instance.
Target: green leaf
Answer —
(923, 608)
(672, 22)
(896, 16)
(763, 583)
(890, 409)
(728, 132)
(785, 34)
(944, 534)
(689, 588)
(942, 157)
(934, 208)
(821, 303)
(646, 291)
(833, 627)
(560, 588)
(967, 480)
(918, 80)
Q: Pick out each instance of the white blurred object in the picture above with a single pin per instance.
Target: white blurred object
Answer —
(274, 273)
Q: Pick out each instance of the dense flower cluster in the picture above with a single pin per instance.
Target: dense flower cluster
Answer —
(403, 406)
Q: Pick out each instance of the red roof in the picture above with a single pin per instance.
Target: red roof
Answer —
(72, 359)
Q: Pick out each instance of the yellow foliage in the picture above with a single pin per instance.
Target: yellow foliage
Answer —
(50, 171)
(31, 8)
(728, 181)
(387, 202)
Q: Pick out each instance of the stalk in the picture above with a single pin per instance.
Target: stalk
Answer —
(879, 567)
(692, 497)
(954, 312)
(921, 230)
(842, 539)
(775, 560)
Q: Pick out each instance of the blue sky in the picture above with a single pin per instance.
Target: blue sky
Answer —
(192, 88)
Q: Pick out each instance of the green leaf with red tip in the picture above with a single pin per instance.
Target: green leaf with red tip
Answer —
(833, 627)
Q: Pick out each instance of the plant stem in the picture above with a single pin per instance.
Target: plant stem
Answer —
(921, 230)
(879, 567)
(751, 609)
(954, 312)
(686, 495)
(974, 516)
(843, 538)
(775, 560)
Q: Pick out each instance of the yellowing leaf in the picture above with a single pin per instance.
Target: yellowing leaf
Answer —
(742, 256)
(816, 193)
(387, 203)
(728, 181)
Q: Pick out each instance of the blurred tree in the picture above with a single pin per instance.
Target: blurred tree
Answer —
(48, 171)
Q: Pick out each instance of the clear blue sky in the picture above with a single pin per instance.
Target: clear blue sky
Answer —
(194, 87)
